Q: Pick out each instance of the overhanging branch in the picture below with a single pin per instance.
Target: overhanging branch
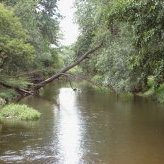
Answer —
(35, 87)
(67, 68)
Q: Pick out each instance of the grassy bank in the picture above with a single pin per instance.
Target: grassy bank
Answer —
(19, 112)
(157, 94)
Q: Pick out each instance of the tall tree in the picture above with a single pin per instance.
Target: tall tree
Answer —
(41, 21)
(26, 35)
(15, 52)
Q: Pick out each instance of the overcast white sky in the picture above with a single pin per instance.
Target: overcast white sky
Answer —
(69, 29)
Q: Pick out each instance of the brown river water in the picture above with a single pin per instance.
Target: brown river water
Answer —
(89, 126)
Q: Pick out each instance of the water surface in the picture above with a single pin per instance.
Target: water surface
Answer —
(86, 127)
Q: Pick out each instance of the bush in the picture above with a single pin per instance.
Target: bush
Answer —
(19, 112)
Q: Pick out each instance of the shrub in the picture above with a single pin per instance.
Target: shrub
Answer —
(19, 112)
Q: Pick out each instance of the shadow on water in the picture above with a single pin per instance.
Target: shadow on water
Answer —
(90, 126)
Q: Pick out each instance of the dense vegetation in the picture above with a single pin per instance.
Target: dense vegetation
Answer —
(18, 112)
(133, 35)
(132, 55)
(28, 32)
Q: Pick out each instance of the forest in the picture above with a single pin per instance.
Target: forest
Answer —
(120, 41)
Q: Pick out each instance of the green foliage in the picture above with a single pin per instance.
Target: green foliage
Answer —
(7, 94)
(28, 32)
(133, 49)
(67, 54)
(19, 112)
(15, 53)
(146, 20)
(40, 19)
(155, 93)
(49, 24)
(19, 82)
(10, 24)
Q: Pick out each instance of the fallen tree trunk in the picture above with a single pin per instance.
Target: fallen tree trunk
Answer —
(67, 68)
(34, 88)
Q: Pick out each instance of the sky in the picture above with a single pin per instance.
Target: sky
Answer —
(68, 28)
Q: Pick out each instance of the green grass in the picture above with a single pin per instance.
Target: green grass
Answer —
(157, 94)
(150, 92)
(19, 112)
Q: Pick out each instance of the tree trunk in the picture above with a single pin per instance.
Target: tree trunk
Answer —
(67, 68)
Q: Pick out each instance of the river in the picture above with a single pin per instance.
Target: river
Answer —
(89, 126)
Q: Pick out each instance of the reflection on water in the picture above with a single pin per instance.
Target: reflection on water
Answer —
(86, 127)
(13, 123)
(68, 129)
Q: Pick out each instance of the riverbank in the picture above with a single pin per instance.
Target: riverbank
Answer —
(154, 94)
(157, 95)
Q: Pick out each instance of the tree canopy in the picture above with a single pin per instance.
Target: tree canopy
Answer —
(15, 52)
(133, 32)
